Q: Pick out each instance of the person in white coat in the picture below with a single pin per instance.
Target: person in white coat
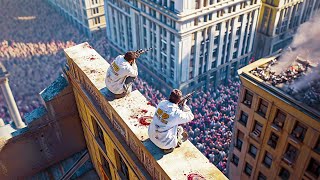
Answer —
(121, 74)
(164, 131)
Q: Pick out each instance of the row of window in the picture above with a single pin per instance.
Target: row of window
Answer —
(163, 18)
(211, 2)
(298, 132)
(165, 4)
(313, 167)
(93, 2)
(220, 13)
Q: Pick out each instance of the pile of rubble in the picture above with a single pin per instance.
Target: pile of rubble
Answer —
(309, 93)
(297, 69)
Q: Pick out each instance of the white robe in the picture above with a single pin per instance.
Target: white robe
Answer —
(164, 126)
(117, 73)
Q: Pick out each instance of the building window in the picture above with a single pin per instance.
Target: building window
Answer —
(239, 140)
(95, 10)
(267, 160)
(121, 166)
(253, 151)
(279, 119)
(235, 160)
(273, 140)
(317, 147)
(98, 133)
(299, 131)
(171, 6)
(248, 98)
(248, 169)
(243, 118)
(263, 107)
(172, 49)
(97, 20)
(257, 130)
(284, 174)
(143, 7)
(196, 21)
(291, 154)
(261, 176)
(172, 37)
(106, 167)
(314, 168)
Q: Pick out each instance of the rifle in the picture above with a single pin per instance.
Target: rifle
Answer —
(186, 98)
(142, 51)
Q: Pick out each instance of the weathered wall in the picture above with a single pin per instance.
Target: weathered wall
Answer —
(49, 139)
(114, 133)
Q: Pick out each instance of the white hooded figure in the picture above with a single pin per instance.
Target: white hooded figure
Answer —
(121, 73)
(164, 131)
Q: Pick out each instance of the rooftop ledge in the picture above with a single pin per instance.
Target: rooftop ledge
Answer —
(88, 69)
(245, 73)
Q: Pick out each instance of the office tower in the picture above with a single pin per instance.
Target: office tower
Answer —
(197, 42)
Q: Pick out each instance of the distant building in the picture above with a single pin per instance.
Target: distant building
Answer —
(195, 41)
(116, 131)
(276, 134)
(86, 15)
(279, 21)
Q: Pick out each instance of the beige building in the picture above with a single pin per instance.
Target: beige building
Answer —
(279, 21)
(86, 15)
(275, 136)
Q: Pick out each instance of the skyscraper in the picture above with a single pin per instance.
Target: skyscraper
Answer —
(87, 15)
(279, 20)
(195, 40)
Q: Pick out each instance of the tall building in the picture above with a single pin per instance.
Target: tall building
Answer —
(278, 22)
(86, 15)
(195, 41)
(276, 133)
(116, 131)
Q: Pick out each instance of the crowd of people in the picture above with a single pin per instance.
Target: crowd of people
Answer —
(214, 111)
(32, 51)
(33, 36)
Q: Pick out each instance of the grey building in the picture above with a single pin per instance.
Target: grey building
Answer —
(86, 15)
(198, 42)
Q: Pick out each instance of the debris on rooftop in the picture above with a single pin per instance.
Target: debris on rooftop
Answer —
(300, 79)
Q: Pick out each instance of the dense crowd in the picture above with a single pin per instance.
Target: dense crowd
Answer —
(32, 38)
(31, 41)
(214, 111)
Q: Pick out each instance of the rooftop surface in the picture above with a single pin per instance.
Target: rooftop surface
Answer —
(184, 162)
(257, 73)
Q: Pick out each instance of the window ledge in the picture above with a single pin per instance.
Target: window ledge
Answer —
(275, 127)
(255, 137)
(294, 139)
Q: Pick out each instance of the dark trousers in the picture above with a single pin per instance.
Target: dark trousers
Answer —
(127, 87)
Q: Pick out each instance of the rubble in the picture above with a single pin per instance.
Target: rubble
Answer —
(299, 70)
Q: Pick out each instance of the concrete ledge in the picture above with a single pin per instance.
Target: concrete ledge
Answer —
(88, 68)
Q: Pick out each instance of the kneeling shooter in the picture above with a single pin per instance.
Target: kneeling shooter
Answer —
(164, 131)
(121, 74)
